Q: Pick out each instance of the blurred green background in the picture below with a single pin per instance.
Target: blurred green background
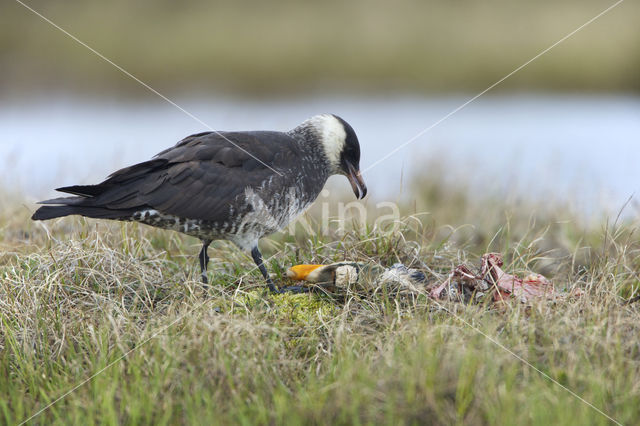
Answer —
(566, 125)
(287, 47)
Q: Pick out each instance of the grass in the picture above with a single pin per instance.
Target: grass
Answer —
(287, 47)
(122, 302)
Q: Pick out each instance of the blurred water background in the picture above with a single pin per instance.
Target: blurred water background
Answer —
(566, 127)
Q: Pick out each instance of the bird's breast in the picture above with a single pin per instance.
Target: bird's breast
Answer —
(271, 206)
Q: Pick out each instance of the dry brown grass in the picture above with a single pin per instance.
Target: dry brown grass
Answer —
(122, 300)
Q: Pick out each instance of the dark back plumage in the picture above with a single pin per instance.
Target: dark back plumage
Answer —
(201, 177)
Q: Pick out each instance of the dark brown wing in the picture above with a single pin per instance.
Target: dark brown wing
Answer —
(202, 177)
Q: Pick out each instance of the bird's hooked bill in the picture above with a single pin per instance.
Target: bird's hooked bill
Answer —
(357, 183)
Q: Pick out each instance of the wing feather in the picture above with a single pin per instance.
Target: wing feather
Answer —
(201, 177)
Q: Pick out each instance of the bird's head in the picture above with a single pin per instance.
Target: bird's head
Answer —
(341, 148)
(339, 274)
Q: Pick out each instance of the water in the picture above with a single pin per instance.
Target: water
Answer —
(580, 147)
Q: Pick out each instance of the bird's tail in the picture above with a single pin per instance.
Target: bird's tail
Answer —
(51, 212)
(60, 207)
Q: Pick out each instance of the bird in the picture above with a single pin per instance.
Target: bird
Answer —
(224, 185)
(370, 276)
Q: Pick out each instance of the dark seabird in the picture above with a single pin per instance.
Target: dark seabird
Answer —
(236, 186)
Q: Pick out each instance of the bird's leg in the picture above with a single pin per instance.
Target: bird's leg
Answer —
(204, 260)
(257, 257)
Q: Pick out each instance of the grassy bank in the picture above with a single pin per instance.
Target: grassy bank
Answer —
(283, 47)
(122, 302)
